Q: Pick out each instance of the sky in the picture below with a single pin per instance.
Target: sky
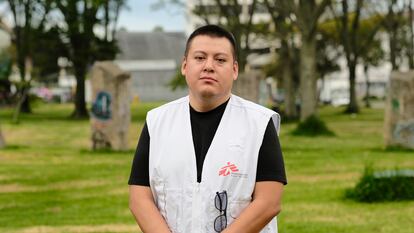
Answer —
(141, 17)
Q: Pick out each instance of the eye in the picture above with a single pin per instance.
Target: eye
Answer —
(221, 60)
(199, 58)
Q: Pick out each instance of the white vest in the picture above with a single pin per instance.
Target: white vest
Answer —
(186, 205)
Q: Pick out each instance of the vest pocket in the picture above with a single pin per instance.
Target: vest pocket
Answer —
(169, 203)
(173, 209)
(236, 207)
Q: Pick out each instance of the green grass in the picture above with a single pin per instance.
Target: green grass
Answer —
(50, 180)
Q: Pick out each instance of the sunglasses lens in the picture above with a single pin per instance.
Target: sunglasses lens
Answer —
(220, 223)
(220, 201)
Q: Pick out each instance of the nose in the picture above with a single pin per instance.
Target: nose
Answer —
(208, 65)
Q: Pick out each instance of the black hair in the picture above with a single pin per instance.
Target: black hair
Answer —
(212, 31)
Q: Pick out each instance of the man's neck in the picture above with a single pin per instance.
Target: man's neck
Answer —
(201, 104)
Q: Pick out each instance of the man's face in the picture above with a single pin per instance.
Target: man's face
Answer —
(209, 67)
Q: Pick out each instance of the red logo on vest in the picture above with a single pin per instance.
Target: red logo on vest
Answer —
(227, 170)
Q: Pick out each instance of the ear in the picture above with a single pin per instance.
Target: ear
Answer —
(235, 70)
(183, 66)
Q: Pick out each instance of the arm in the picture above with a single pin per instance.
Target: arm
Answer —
(265, 206)
(141, 201)
(142, 206)
(267, 194)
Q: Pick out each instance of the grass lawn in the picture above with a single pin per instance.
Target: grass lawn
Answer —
(50, 180)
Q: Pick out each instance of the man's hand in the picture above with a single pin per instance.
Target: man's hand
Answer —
(142, 206)
(266, 204)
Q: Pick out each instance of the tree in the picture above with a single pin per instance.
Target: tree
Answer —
(286, 61)
(356, 37)
(5, 70)
(306, 14)
(80, 22)
(5, 84)
(372, 56)
(327, 56)
(410, 53)
(394, 23)
(81, 17)
(28, 16)
(49, 47)
(234, 16)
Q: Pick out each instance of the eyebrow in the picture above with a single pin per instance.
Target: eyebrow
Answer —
(216, 54)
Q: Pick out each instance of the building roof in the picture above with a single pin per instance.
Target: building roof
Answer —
(136, 65)
(151, 45)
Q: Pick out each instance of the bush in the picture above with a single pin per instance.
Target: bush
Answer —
(390, 185)
(312, 126)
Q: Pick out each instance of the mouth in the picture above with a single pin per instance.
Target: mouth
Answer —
(206, 78)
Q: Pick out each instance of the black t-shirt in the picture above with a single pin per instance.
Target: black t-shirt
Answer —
(270, 166)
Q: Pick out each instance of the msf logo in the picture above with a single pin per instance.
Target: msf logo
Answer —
(227, 170)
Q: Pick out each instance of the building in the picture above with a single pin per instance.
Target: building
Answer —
(153, 59)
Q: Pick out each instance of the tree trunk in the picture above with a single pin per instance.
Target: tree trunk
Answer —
(25, 107)
(308, 79)
(24, 97)
(80, 104)
(353, 103)
(288, 83)
(367, 84)
(393, 50)
(242, 61)
(23, 102)
(411, 37)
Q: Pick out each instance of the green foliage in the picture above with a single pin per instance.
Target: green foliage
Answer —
(312, 126)
(5, 85)
(47, 49)
(390, 185)
(5, 65)
(396, 148)
(178, 81)
(103, 50)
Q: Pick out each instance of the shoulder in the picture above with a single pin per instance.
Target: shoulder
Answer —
(166, 114)
(255, 110)
(249, 106)
(168, 106)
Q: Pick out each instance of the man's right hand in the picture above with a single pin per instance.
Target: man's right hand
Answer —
(146, 213)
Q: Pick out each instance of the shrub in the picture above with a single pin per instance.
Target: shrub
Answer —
(312, 126)
(381, 186)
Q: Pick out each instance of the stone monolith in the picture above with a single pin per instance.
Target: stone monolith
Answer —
(399, 111)
(110, 112)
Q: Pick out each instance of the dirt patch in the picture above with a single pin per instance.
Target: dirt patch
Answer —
(77, 184)
(15, 188)
(119, 191)
(4, 177)
(321, 178)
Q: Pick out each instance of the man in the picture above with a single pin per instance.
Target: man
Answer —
(211, 161)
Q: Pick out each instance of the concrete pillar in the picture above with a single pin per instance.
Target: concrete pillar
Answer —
(399, 112)
(110, 111)
(247, 85)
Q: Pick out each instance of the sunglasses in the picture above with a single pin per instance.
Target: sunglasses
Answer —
(220, 201)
